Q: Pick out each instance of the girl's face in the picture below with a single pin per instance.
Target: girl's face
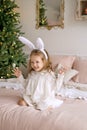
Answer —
(36, 63)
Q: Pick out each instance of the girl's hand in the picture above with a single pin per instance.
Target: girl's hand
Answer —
(62, 70)
(17, 72)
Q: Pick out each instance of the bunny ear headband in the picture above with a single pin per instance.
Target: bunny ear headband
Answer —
(39, 44)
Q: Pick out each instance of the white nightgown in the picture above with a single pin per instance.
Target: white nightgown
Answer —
(40, 89)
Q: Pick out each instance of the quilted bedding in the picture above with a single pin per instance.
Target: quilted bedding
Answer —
(72, 115)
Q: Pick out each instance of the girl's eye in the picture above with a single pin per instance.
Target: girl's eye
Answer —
(37, 61)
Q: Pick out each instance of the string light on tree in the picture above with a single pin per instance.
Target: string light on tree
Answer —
(11, 49)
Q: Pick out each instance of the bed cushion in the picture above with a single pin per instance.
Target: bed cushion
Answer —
(81, 65)
(65, 60)
(68, 74)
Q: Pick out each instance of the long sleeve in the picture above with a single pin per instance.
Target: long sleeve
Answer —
(23, 81)
(59, 82)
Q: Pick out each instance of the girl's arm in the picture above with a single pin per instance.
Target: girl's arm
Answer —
(61, 69)
(17, 72)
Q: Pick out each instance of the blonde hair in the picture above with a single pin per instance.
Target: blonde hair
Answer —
(47, 62)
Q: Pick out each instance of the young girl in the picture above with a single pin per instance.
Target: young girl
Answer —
(40, 84)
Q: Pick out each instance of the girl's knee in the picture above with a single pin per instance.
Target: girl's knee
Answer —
(21, 102)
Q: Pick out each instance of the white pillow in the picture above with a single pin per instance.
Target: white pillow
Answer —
(69, 75)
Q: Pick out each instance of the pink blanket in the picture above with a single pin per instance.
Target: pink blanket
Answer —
(72, 115)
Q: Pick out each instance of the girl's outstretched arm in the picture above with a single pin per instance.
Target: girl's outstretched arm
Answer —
(17, 72)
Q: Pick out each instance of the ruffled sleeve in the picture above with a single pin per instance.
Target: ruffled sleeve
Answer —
(59, 82)
(23, 81)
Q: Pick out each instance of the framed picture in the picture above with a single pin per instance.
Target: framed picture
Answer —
(81, 11)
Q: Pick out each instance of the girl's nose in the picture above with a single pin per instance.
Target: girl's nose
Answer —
(34, 64)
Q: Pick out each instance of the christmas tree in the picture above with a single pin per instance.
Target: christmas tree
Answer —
(11, 49)
(42, 11)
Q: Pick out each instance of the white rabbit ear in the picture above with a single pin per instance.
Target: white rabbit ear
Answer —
(26, 42)
(39, 43)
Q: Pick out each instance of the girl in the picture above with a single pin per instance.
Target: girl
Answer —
(40, 84)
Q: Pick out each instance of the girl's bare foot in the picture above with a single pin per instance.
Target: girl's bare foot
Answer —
(21, 102)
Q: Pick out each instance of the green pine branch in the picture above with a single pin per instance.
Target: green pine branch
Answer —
(11, 49)
(42, 15)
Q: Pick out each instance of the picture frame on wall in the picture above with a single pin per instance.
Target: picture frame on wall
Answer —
(81, 10)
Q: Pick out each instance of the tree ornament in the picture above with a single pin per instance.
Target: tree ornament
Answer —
(14, 65)
(11, 49)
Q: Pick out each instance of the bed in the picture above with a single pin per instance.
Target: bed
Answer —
(71, 115)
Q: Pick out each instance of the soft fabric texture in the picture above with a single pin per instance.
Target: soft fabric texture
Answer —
(11, 83)
(68, 74)
(68, 90)
(10, 92)
(73, 91)
(81, 65)
(66, 61)
(71, 115)
(40, 90)
(76, 85)
(3, 80)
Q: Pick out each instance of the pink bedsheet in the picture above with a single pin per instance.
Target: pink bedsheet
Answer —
(72, 115)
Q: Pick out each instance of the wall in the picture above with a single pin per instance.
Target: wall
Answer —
(70, 40)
